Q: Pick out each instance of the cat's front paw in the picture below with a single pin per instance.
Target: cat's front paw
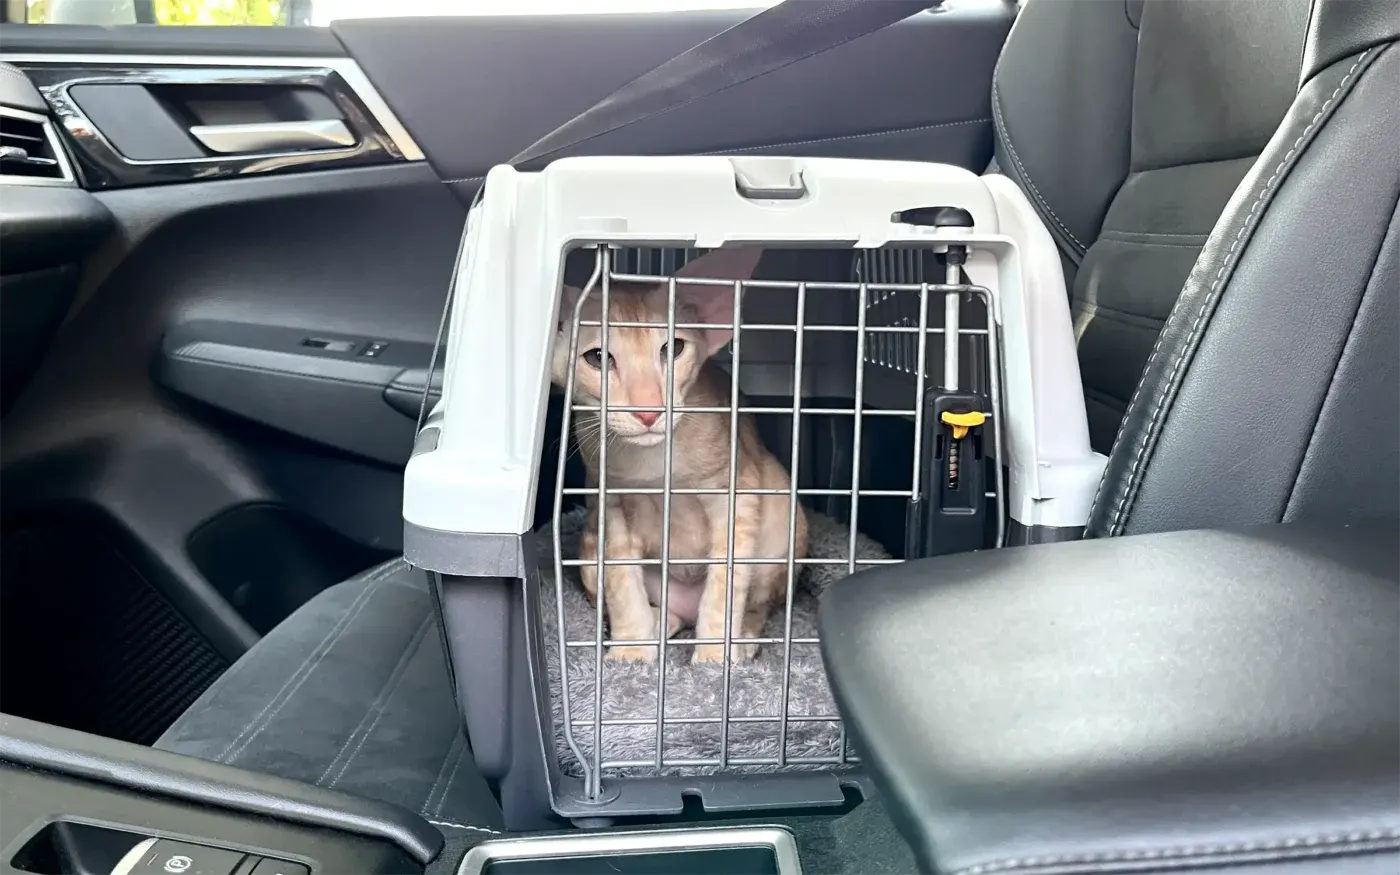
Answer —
(632, 653)
(715, 652)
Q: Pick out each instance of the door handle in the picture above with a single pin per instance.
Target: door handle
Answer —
(274, 136)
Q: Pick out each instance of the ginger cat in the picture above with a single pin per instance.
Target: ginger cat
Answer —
(700, 459)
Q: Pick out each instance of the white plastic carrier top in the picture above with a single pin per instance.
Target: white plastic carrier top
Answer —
(476, 473)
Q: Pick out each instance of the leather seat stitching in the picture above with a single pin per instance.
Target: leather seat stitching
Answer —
(1128, 489)
(448, 823)
(457, 746)
(379, 706)
(1021, 169)
(370, 580)
(1119, 316)
(1355, 840)
(1118, 238)
(1124, 233)
(447, 788)
(308, 670)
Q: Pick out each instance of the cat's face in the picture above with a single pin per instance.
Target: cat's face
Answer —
(635, 366)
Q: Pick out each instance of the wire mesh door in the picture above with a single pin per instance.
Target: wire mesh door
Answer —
(684, 592)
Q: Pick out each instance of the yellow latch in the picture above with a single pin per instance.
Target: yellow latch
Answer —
(961, 422)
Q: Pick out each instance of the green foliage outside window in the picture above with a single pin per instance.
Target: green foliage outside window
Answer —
(195, 12)
(225, 12)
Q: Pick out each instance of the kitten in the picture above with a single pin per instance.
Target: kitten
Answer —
(700, 459)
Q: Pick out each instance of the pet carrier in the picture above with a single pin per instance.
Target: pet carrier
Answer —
(768, 373)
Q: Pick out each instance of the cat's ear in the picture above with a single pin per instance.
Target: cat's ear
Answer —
(568, 299)
(715, 304)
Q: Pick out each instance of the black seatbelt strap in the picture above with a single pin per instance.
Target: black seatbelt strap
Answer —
(774, 38)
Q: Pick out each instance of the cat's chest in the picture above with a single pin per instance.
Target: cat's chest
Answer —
(640, 467)
(645, 468)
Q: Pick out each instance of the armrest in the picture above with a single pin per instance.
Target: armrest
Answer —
(1143, 703)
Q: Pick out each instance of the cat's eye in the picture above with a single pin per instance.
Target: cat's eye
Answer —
(680, 348)
(594, 359)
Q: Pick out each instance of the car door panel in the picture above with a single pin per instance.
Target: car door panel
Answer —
(139, 120)
(96, 430)
(474, 92)
(174, 42)
(179, 407)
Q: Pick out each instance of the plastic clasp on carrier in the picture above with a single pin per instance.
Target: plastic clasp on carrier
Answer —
(776, 179)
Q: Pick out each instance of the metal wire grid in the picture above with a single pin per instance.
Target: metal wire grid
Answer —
(913, 332)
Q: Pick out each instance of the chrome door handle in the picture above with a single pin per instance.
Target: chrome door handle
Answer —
(274, 136)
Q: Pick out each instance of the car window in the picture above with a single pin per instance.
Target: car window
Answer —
(323, 12)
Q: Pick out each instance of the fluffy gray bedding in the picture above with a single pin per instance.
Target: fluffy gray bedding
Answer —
(696, 691)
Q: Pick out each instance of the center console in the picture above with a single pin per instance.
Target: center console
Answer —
(698, 851)
(79, 804)
(1190, 700)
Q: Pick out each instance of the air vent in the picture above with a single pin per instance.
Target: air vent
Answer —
(29, 152)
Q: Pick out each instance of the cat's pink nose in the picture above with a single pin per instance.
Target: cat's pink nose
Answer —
(647, 418)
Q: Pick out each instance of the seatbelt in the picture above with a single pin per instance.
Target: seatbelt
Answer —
(774, 38)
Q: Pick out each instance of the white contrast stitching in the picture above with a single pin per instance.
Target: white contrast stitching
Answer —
(450, 824)
(442, 769)
(1016, 159)
(334, 630)
(382, 702)
(1126, 233)
(447, 788)
(1131, 482)
(309, 671)
(1188, 851)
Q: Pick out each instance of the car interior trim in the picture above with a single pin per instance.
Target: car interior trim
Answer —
(347, 69)
(55, 147)
(135, 767)
(479, 858)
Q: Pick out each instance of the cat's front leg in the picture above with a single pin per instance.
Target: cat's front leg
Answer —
(710, 623)
(673, 623)
(629, 612)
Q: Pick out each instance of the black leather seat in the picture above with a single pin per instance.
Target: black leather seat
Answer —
(1271, 393)
(1221, 689)
(350, 692)
(1130, 125)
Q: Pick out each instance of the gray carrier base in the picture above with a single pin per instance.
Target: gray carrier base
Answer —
(491, 625)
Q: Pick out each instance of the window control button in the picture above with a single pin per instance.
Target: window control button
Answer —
(268, 866)
(374, 348)
(167, 857)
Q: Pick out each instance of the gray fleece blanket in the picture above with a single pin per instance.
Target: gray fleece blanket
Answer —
(696, 691)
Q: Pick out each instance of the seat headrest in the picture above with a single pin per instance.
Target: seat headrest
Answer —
(1342, 28)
